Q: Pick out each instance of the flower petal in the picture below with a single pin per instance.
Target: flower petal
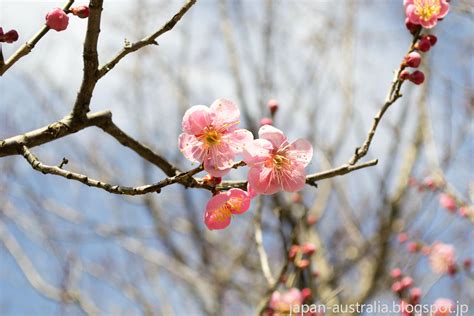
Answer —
(272, 134)
(216, 216)
(410, 11)
(294, 179)
(191, 147)
(444, 9)
(237, 139)
(225, 114)
(301, 150)
(262, 180)
(239, 201)
(257, 151)
(196, 119)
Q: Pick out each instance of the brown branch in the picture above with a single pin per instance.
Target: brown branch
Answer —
(26, 48)
(151, 39)
(91, 61)
(49, 133)
(392, 96)
(184, 178)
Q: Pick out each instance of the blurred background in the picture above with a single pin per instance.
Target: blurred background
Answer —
(68, 249)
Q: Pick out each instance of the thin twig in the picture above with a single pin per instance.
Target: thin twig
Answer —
(259, 242)
(151, 39)
(26, 48)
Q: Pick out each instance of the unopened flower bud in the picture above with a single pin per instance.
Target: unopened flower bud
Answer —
(396, 273)
(9, 37)
(308, 248)
(448, 202)
(306, 293)
(413, 247)
(412, 60)
(415, 294)
(293, 251)
(406, 282)
(266, 121)
(272, 106)
(397, 287)
(302, 264)
(413, 28)
(417, 77)
(432, 38)
(423, 45)
(80, 11)
(57, 20)
(467, 263)
(402, 237)
(404, 74)
(452, 269)
(311, 219)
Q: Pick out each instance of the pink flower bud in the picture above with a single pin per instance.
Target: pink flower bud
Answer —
(413, 28)
(293, 251)
(413, 247)
(9, 37)
(308, 249)
(417, 77)
(296, 198)
(452, 269)
(302, 264)
(426, 250)
(210, 180)
(57, 20)
(396, 273)
(406, 282)
(430, 183)
(306, 293)
(432, 38)
(397, 287)
(412, 60)
(311, 220)
(266, 121)
(447, 202)
(80, 11)
(423, 45)
(272, 106)
(404, 74)
(402, 237)
(415, 294)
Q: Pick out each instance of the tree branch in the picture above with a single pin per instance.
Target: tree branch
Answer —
(26, 48)
(151, 39)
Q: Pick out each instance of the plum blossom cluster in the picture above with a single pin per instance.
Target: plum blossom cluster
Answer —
(447, 200)
(410, 296)
(441, 256)
(211, 137)
(57, 18)
(421, 14)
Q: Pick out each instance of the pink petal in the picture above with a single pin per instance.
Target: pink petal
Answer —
(294, 179)
(257, 151)
(272, 134)
(239, 200)
(237, 139)
(407, 2)
(444, 9)
(196, 119)
(219, 158)
(262, 180)
(215, 217)
(191, 147)
(430, 23)
(226, 114)
(410, 13)
(301, 150)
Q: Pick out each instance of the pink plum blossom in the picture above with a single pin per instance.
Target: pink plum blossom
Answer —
(282, 302)
(443, 307)
(442, 258)
(211, 136)
(425, 12)
(275, 164)
(220, 208)
(448, 202)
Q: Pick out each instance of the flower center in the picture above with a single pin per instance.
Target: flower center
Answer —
(235, 203)
(425, 9)
(212, 137)
(279, 161)
(223, 213)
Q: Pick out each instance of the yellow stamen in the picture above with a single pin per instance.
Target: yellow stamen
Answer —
(425, 9)
(212, 137)
(223, 213)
